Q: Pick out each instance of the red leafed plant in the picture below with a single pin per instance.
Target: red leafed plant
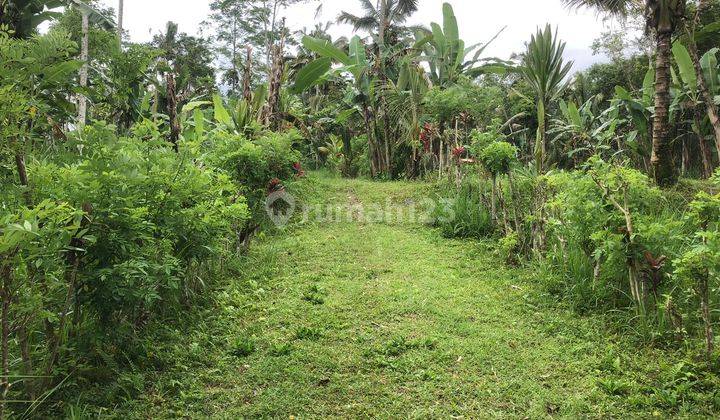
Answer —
(458, 152)
(654, 269)
(275, 185)
(299, 172)
(426, 136)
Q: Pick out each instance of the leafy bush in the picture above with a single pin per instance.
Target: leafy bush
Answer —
(122, 232)
(154, 213)
(253, 164)
(498, 156)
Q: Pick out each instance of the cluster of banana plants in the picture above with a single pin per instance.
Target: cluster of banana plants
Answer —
(688, 99)
(447, 56)
(389, 83)
(584, 131)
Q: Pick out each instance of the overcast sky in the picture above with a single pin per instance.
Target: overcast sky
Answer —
(479, 20)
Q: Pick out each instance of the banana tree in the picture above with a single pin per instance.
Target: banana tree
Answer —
(711, 92)
(688, 89)
(639, 109)
(582, 132)
(23, 17)
(706, 80)
(354, 65)
(447, 56)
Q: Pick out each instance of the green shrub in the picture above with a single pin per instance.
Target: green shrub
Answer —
(154, 213)
(253, 164)
(464, 213)
(498, 156)
(122, 232)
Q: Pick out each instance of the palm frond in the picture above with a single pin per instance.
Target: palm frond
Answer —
(369, 7)
(615, 7)
(366, 23)
(407, 7)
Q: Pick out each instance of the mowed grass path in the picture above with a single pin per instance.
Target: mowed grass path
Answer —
(354, 319)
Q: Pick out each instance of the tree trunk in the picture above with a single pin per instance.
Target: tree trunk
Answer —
(5, 297)
(84, 56)
(540, 147)
(233, 58)
(516, 216)
(121, 13)
(662, 156)
(172, 111)
(247, 76)
(685, 165)
(704, 292)
(705, 312)
(380, 69)
(371, 146)
(22, 173)
(493, 201)
(273, 106)
(705, 154)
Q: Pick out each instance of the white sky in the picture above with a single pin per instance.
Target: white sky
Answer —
(479, 20)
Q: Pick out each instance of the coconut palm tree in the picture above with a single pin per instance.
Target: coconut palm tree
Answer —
(662, 17)
(546, 72)
(386, 18)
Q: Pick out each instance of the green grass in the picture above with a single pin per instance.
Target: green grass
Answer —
(355, 319)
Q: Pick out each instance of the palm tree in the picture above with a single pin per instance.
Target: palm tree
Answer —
(662, 16)
(386, 18)
(544, 69)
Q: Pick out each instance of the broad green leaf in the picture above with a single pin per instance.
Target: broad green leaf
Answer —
(190, 106)
(325, 49)
(648, 86)
(709, 30)
(259, 97)
(345, 115)
(709, 65)
(221, 114)
(574, 114)
(62, 71)
(422, 41)
(145, 104)
(199, 119)
(358, 59)
(439, 41)
(450, 25)
(311, 74)
(685, 64)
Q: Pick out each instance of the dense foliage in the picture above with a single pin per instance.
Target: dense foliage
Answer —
(133, 173)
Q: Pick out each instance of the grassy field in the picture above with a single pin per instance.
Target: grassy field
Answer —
(390, 319)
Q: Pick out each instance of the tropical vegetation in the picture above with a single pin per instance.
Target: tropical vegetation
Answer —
(165, 252)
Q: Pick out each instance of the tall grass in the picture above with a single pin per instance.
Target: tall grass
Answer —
(463, 213)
